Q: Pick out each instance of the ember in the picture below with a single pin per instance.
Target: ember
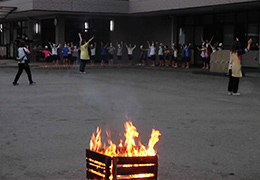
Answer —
(125, 161)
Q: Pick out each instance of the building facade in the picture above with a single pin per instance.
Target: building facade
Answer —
(135, 22)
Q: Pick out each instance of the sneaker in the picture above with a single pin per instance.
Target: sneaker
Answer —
(32, 83)
(229, 93)
(236, 94)
(15, 84)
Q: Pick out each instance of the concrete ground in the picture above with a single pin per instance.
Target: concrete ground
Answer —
(206, 135)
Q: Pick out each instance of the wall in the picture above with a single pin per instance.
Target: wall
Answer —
(141, 6)
(139, 30)
(88, 6)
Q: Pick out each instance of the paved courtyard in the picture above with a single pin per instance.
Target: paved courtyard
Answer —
(206, 135)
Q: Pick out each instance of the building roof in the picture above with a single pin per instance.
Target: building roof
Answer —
(4, 11)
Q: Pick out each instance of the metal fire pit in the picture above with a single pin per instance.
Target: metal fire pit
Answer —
(100, 166)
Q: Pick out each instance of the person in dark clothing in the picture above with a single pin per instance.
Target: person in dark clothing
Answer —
(23, 64)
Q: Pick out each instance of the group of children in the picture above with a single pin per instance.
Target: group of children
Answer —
(168, 56)
(205, 51)
(69, 52)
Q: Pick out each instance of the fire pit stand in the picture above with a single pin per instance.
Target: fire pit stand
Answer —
(100, 166)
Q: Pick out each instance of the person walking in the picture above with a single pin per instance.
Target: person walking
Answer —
(23, 64)
(84, 55)
(234, 70)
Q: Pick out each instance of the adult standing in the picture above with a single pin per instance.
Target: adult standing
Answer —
(235, 66)
(23, 64)
(84, 55)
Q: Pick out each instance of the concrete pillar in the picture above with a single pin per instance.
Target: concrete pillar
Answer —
(174, 30)
(60, 30)
(30, 33)
(259, 42)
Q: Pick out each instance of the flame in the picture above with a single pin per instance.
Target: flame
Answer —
(127, 148)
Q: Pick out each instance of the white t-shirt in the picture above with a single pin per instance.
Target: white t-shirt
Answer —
(152, 50)
(130, 50)
(21, 54)
(92, 51)
(54, 49)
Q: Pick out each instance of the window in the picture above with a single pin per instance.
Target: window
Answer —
(253, 33)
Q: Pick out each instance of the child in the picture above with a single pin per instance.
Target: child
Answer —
(54, 57)
(47, 54)
(103, 54)
(207, 60)
(130, 51)
(152, 52)
(119, 53)
(111, 51)
(175, 56)
(70, 47)
(160, 54)
(65, 51)
(93, 53)
(142, 55)
(183, 60)
(166, 55)
(203, 54)
(75, 55)
(149, 56)
(187, 55)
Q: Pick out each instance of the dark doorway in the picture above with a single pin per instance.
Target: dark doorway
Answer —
(47, 31)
